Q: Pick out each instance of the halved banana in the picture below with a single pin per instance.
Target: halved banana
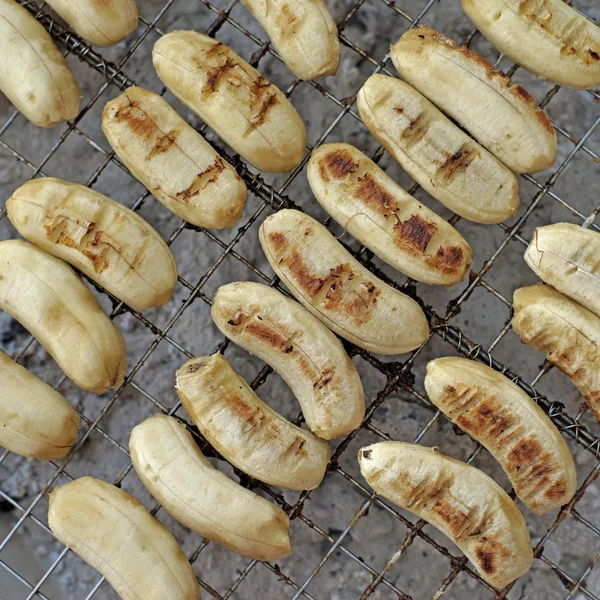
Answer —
(117, 536)
(35, 420)
(381, 215)
(102, 238)
(176, 473)
(45, 295)
(459, 500)
(468, 88)
(309, 358)
(449, 165)
(566, 256)
(243, 429)
(337, 289)
(33, 73)
(100, 22)
(547, 37)
(246, 111)
(303, 33)
(566, 332)
(172, 160)
(516, 431)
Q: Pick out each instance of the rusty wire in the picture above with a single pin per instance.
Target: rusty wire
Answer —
(398, 374)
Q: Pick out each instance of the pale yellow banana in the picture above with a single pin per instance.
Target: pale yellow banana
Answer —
(172, 160)
(33, 73)
(568, 257)
(117, 536)
(516, 431)
(444, 160)
(246, 111)
(35, 421)
(547, 37)
(337, 289)
(45, 295)
(501, 116)
(381, 215)
(459, 500)
(303, 33)
(309, 358)
(102, 238)
(243, 429)
(100, 22)
(176, 473)
(566, 332)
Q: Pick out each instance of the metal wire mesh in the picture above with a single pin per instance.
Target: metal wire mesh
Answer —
(398, 375)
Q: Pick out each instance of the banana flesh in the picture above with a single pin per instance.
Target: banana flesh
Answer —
(459, 500)
(178, 475)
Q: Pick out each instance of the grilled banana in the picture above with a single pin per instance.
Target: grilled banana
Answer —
(246, 111)
(33, 73)
(100, 22)
(243, 429)
(459, 500)
(386, 219)
(566, 332)
(337, 289)
(309, 358)
(449, 165)
(303, 33)
(172, 160)
(547, 37)
(35, 421)
(469, 89)
(102, 238)
(117, 536)
(566, 256)
(47, 298)
(516, 431)
(176, 473)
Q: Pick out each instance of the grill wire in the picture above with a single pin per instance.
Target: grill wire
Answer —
(398, 374)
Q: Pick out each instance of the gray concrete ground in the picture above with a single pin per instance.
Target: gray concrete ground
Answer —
(377, 536)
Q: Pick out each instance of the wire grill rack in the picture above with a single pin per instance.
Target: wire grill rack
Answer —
(398, 376)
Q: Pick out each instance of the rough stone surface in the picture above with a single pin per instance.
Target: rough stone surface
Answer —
(420, 570)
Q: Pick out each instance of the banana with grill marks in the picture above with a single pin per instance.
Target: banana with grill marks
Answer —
(172, 160)
(105, 240)
(566, 332)
(303, 33)
(381, 215)
(516, 431)
(243, 429)
(501, 116)
(547, 37)
(459, 500)
(337, 289)
(449, 165)
(246, 111)
(309, 358)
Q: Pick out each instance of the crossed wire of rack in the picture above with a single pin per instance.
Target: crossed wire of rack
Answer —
(398, 374)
